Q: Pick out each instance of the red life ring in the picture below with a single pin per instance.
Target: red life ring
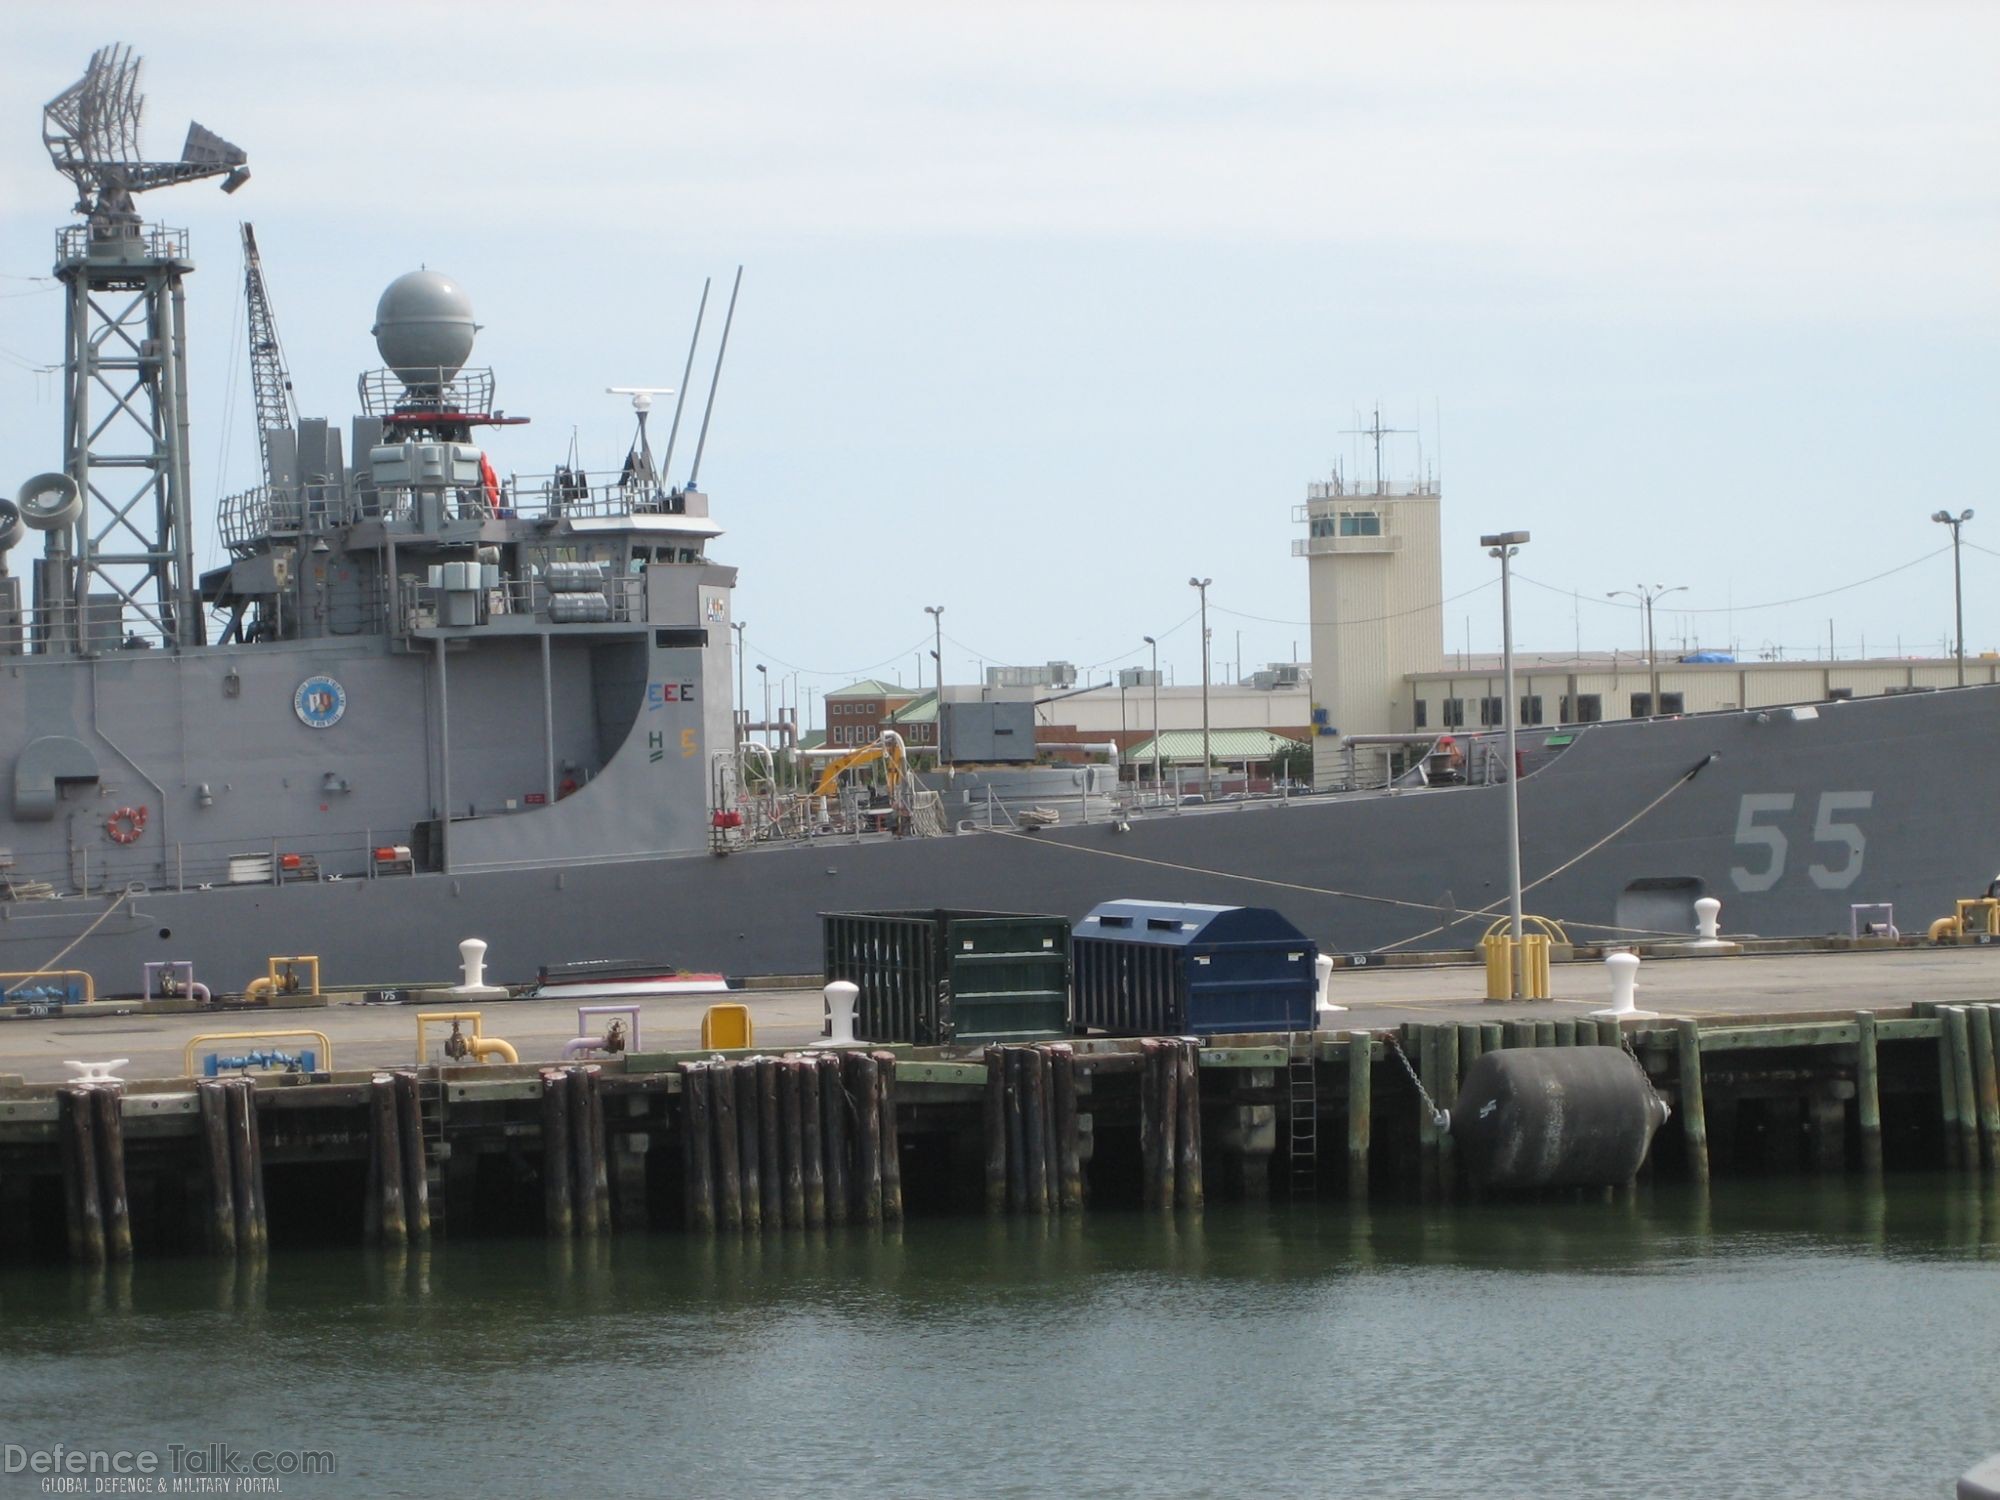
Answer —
(125, 825)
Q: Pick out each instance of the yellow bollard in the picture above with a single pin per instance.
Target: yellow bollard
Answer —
(727, 1027)
(1536, 952)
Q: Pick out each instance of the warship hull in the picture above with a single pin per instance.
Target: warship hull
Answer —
(1791, 817)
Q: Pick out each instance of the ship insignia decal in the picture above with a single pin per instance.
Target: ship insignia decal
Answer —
(319, 702)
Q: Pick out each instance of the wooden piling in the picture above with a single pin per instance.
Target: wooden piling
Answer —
(384, 1141)
(1360, 1108)
(1948, 1101)
(1446, 1094)
(1470, 1045)
(1187, 1132)
(1520, 1033)
(812, 1152)
(1609, 1033)
(1422, 1038)
(891, 1137)
(1985, 1085)
(867, 1158)
(1867, 1091)
(1034, 1130)
(215, 1153)
(111, 1171)
(723, 1130)
(770, 1143)
(77, 1113)
(834, 1115)
(247, 1163)
(1545, 1033)
(993, 1129)
(1566, 1031)
(792, 1143)
(1166, 1085)
(1016, 1135)
(1492, 1037)
(1069, 1159)
(749, 1142)
(1051, 1146)
(1694, 1117)
(1958, 1031)
(582, 1152)
(697, 1146)
(416, 1157)
(600, 1157)
(556, 1168)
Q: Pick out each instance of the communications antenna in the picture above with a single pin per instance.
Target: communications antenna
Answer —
(1377, 431)
(127, 566)
(639, 468)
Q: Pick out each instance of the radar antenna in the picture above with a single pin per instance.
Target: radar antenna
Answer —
(123, 571)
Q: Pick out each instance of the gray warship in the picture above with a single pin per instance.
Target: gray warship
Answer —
(424, 701)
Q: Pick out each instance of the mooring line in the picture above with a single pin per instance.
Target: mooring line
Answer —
(1424, 906)
(48, 967)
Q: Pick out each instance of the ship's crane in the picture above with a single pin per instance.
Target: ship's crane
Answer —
(270, 380)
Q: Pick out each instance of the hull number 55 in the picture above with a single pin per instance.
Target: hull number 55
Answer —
(1759, 829)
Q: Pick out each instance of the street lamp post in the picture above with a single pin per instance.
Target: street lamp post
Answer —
(1156, 712)
(936, 612)
(742, 702)
(1503, 546)
(765, 677)
(1946, 518)
(1207, 786)
(1646, 598)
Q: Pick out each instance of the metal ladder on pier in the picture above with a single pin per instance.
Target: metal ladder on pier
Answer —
(430, 1107)
(1301, 1115)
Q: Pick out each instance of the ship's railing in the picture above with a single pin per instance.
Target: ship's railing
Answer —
(459, 393)
(1336, 489)
(103, 626)
(250, 519)
(156, 241)
(618, 601)
(571, 493)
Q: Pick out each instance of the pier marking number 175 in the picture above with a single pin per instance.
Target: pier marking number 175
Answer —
(1757, 828)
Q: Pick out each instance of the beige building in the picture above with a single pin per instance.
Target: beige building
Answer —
(1583, 690)
(1375, 582)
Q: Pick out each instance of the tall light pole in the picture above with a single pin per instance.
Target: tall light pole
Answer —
(936, 612)
(1646, 596)
(1503, 546)
(1201, 585)
(1156, 712)
(765, 676)
(1946, 518)
(742, 702)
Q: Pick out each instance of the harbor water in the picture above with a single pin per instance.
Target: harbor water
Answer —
(1762, 1338)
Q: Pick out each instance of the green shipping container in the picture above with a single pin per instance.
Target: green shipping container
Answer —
(952, 978)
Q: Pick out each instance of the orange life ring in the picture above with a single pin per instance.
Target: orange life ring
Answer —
(490, 482)
(125, 825)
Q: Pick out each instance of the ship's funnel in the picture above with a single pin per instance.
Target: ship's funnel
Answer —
(424, 328)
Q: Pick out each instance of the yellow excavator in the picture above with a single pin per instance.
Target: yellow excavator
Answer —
(888, 749)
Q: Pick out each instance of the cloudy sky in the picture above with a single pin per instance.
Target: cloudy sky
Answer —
(1047, 307)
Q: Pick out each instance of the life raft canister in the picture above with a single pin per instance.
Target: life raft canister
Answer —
(125, 825)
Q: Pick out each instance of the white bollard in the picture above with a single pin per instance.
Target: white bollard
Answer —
(472, 961)
(1707, 919)
(96, 1072)
(1324, 1007)
(1624, 969)
(841, 997)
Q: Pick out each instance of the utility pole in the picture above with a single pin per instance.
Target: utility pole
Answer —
(1946, 518)
(1156, 712)
(1503, 546)
(766, 677)
(1647, 596)
(936, 612)
(742, 701)
(1207, 784)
